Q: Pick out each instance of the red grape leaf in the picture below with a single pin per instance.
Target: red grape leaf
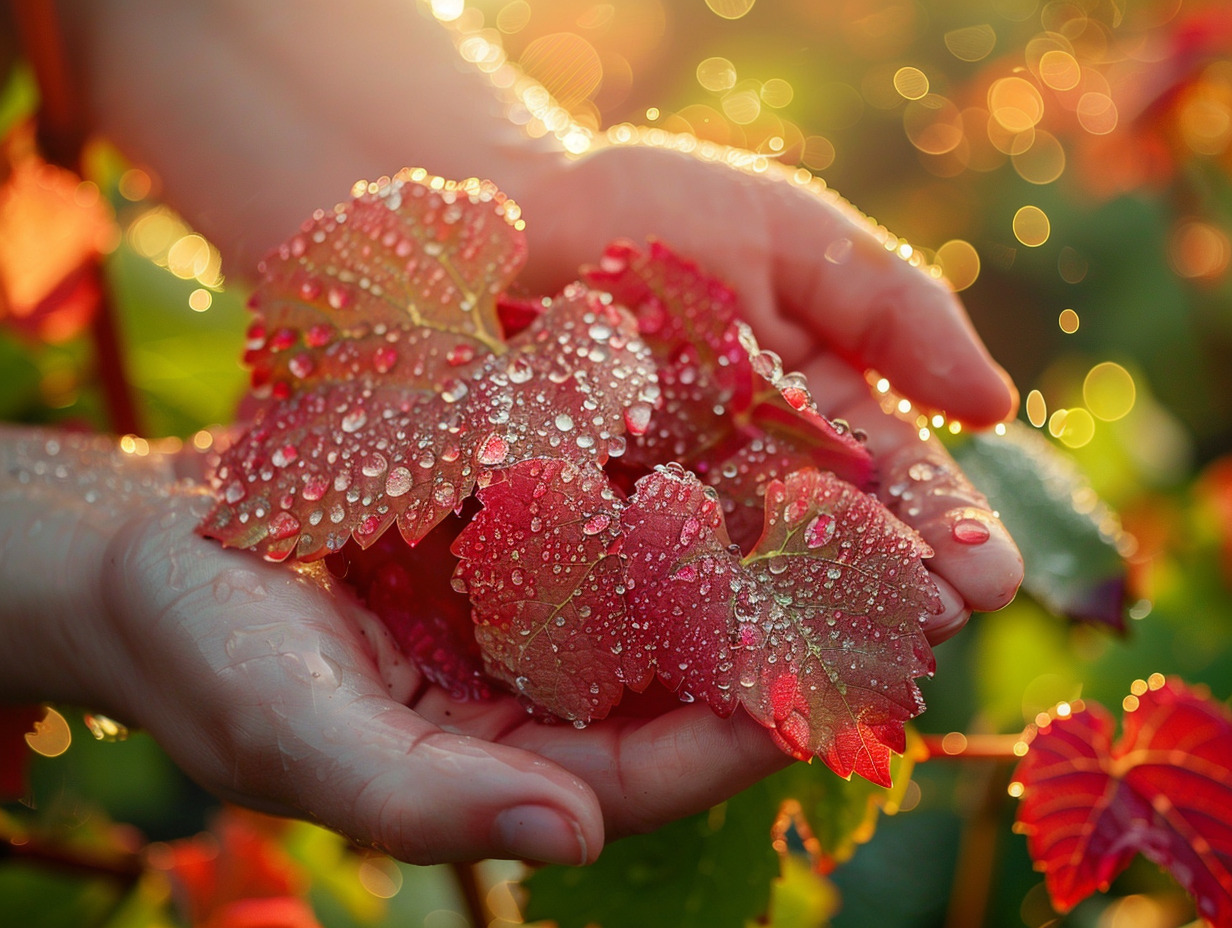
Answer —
(427, 617)
(1088, 805)
(844, 636)
(540, 564)
(689, 321)
(392, 400)
(817, 632)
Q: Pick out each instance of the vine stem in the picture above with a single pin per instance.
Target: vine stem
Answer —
(467, 878)
(61, 138)
(973, 747)
(122, 866)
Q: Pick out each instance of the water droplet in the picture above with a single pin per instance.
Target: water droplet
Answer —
(597, 523)
(637, 418)
(445, 495)
(339, 298)
(970, 531)
(284, 455)
(384, 359)
(354, 420)
(921, 470)
(319, 335)
(460, 354)
(399, 481)
(820, 532)
(301, 365)
(234, 492)
(374, 464)
(493, 450)
(564, 422)
(519, 370)
(283, 525)
(453, 390)
(689, 530)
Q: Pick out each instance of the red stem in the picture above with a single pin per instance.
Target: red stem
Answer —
(973, 747)
(62, 135)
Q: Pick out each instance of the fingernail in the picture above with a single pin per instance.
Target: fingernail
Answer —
(540, 833)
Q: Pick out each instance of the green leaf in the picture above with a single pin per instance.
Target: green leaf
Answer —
(711, 870)
(1067, 536)
(719, 869)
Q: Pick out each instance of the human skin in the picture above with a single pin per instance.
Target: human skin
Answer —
(264, 685)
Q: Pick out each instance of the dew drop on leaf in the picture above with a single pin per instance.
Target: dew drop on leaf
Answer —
(374, 464)
(820, 532)
(283, 525)
(637, 418)
(399, 481)
(384, 359)
(595, 524)
(354, 420)
(494, 450)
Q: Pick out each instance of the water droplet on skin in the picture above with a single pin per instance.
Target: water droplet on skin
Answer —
(970, 531)
(921, 471)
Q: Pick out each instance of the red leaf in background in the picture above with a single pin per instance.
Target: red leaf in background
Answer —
(53, 228)
(237, 875)
(379, 340)
(1089, 805)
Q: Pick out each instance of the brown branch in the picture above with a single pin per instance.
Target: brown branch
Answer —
(973, 747)
(125, 868)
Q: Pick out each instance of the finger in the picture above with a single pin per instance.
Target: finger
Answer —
(258, 686)
(647, 772)
(862, 300)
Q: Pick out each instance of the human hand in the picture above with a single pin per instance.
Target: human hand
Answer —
(274, 689)
(826, 294)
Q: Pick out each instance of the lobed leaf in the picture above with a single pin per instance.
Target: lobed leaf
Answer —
(817, 633)
(391, 391)
(1089, 805)
(540, 564)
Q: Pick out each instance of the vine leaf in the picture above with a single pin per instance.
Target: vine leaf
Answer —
(1089, 805)
(389, 386)
(1069, 550)
(817, 633)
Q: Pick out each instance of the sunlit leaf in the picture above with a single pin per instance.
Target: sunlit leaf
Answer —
(1067, 536)
(1089, 805)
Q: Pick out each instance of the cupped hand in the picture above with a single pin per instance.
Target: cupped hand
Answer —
(834, 301)
(273, 690)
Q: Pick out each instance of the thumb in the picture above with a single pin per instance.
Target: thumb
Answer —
(263, 690)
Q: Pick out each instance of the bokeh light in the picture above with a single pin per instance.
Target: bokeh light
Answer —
(716, 74)
(1037, 409)
(730, 9)
(1109, 391)
(1199, 250)
(971, 43)
(1068, 321)
(911, 83)
(960, 263)
(1043, 162)
(1031, 226)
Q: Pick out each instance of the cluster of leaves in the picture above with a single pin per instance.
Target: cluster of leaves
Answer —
(658, 498)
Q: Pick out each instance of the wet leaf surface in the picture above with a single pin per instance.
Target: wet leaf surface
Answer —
(1090, 804)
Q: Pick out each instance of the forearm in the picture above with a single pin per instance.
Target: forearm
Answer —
(63, 499)
(255, 114)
